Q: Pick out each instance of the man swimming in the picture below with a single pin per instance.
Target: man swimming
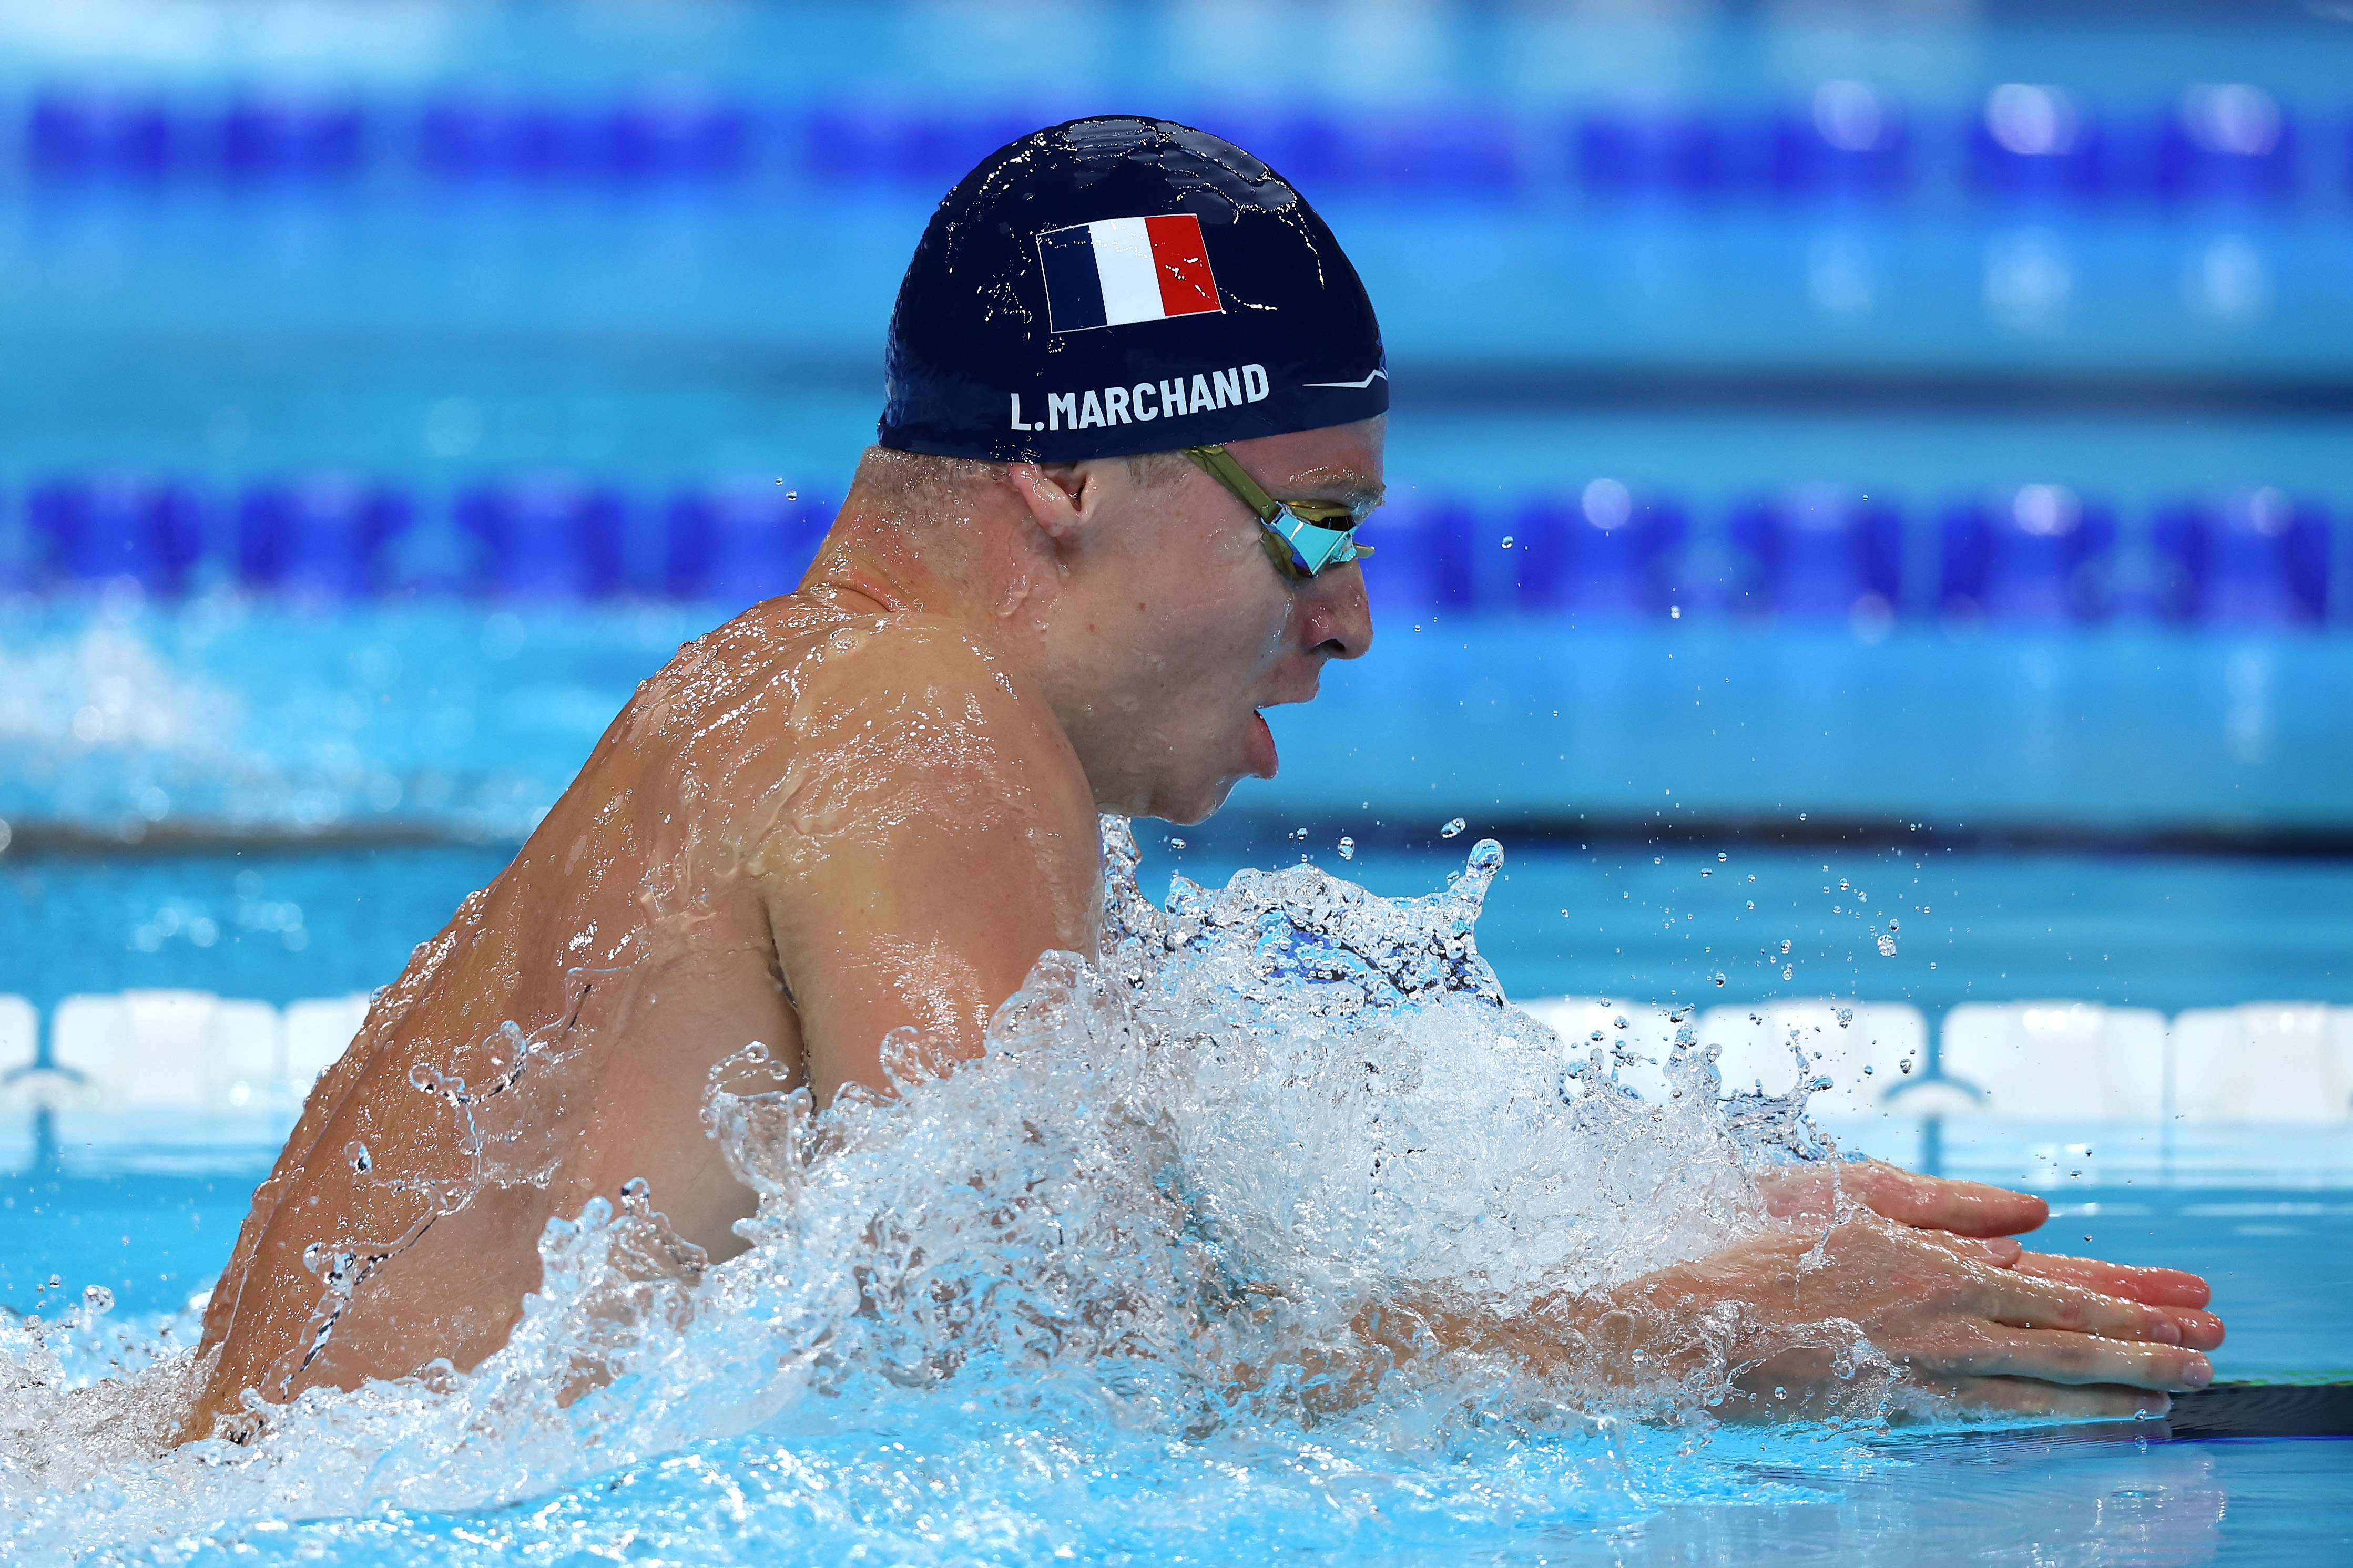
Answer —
(1136, 411)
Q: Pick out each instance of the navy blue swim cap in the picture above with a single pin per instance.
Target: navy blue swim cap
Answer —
(1117, 285)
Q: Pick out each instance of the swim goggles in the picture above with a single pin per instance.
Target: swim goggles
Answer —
(1303, 537)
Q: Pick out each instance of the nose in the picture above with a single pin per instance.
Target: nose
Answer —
(1338, 621)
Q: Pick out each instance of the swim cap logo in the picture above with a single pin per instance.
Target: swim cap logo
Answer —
(1119, 270)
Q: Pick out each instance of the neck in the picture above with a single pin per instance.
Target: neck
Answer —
(971, 557)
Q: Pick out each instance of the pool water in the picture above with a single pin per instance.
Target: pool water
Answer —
(771, 1425)
(935, 1481)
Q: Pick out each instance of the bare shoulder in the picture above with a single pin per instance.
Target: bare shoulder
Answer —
(799, 719)
(921, 831)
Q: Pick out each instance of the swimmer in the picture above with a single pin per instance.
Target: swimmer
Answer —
(1135, 405)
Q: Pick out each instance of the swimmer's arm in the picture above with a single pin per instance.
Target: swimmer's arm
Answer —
(939, 836)
(319, 1108)
(1780, 1307)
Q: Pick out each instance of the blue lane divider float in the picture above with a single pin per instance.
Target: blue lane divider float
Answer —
(546, 537)
(2033, 555)
(320, 536)
(135, 133)
(740, 544)
(2039, 555)
(675, 132)
(2034, 139)
(96, 528)
(2253, 557)
(1844, 140)
(1848, 139)
(1820, 552)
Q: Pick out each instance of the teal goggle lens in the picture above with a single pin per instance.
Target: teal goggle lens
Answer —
(1313, 545)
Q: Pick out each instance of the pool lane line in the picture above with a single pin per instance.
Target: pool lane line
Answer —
(2261, 1410)
(1254, 829)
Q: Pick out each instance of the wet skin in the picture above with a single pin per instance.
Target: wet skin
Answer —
(871, 804)
(868, 804)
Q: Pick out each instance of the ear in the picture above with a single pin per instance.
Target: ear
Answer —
(1060, 498)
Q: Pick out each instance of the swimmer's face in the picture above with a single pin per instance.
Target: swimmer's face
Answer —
(1186, 630)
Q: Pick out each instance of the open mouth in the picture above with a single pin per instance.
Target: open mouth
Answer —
(1263, 758)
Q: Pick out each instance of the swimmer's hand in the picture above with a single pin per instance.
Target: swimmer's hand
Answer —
(1810, 1195)
(1963, 1325)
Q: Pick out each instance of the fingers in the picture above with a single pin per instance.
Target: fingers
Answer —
(2025, 1397)
(1934, 1202)
(2024, 1301)
(2157, 1287)
(2169, 1291)
(2057, 1355)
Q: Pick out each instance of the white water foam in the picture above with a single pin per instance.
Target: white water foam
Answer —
(1137, 1236)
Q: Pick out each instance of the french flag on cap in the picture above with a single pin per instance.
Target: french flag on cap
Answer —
(1121, 269)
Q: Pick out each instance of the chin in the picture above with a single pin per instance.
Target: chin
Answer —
(1184, 805)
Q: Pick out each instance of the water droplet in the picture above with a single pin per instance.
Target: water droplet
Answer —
(1454, 827)
(1752, 903)
(1895, 925)
(1801, 816)
(1721, 855)
(1788, 973)
(1176, 844)
(1621, 1022)
(1886, 947)
(1507, 542)
(1675, 611)
(1845, 1016)
(1905, 1066)
(1708, 873)
(97, 1297)
(791, 495)
(56, 1280)
(357, 1153)
(1486, 855)
(1597, 1034)
(1866, 1069)
(1785, 944)
(1843, 884)
(1719, 977)
(1348, 852)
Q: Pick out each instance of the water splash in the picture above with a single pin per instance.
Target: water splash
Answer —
(1135, 1237)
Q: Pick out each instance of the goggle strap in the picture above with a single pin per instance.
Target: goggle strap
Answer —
(1219, 465)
